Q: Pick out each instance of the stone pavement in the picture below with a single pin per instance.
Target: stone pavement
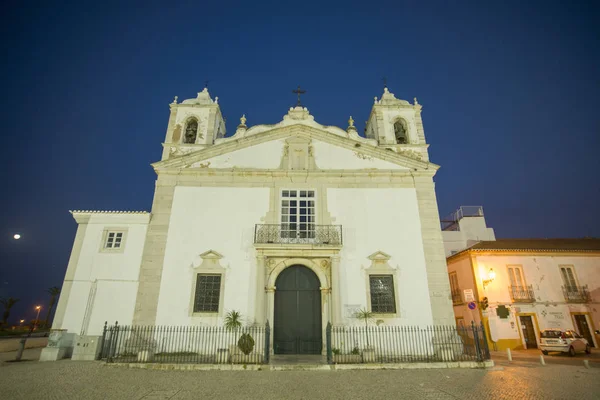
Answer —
(95, 380)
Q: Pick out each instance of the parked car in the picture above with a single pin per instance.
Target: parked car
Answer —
(563, 341)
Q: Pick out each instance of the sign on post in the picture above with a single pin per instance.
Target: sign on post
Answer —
(469, 295)
(472, 305)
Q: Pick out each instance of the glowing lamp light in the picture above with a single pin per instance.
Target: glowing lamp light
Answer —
(491, 276)
(16, 236)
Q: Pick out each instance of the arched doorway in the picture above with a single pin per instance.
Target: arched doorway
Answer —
(297, 317)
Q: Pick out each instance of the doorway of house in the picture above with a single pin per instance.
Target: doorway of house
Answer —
(583, 328)
(528, 332)
(297, 319)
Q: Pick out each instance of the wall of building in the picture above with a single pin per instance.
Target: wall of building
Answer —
(392, 226)
(102, 287)
(470, 231)
(210, 218)
(550, 309)
(464, 274)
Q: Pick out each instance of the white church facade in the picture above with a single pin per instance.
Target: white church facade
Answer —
(296, 223)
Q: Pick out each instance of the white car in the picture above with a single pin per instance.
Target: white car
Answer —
(564, 341)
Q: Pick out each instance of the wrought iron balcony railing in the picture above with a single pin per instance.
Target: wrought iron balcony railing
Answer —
(457, 297)
(522, 294)
(298, 234)
(576, 294)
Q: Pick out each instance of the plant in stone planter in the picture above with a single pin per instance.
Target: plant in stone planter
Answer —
(368, 351)
(233, 322)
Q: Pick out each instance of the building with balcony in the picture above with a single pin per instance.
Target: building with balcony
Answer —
(522, 286)
(296, 223)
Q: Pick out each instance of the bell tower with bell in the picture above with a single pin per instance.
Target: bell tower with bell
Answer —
(397, 125)
(194, 124)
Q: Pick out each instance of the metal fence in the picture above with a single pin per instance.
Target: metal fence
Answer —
(185, 344)
(522, 294)
(302, 233)
(576, 294)
(401, 344)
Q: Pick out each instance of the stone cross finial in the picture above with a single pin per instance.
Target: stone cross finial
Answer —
(243, 120)
(351, 122)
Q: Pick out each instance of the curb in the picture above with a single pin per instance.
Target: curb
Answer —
(304, 367)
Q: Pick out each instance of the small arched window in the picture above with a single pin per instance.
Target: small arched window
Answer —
(400, 132)
(191, 130)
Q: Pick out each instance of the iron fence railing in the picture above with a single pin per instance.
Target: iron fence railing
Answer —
(576, 294)
(450, 221)
(185, 344)
(522, 294)
(298, 233)
(457, 297)
(402, 344)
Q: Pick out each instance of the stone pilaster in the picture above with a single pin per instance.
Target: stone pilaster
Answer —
(433, 246)
(259, 309)
(336, 287)
(153, 256)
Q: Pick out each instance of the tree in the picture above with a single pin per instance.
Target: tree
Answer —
(54, 292)
(8, 304)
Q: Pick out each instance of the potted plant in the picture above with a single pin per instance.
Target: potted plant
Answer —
(239, 352)
(368, 352)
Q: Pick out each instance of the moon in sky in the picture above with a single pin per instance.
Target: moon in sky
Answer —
(17, 236)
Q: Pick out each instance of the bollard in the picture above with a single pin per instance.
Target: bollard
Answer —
(509, 355)
(586, 363)
(542, 360)
(20, 349)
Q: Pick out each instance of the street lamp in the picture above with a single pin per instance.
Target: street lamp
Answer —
(38, 308)
(21, 322)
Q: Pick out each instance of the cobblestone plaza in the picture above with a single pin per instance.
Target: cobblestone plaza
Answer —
(96, 380)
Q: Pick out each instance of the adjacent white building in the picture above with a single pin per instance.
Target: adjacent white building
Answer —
(294, 221)
(522, 286)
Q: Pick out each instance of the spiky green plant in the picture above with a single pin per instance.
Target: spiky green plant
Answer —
(364, 315)
(233, 320)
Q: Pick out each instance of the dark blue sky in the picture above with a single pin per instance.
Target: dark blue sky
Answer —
(510, 90)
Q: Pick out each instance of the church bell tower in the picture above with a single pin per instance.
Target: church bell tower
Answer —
(397, 125)
(194, 124)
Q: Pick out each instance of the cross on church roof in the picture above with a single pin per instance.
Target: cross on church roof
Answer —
(299, 92)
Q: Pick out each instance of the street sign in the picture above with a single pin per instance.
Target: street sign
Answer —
(469, 295)
(472, 305)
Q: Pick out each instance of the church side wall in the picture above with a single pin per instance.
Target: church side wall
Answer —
(392, 226)
(221, 219)
(103, 285)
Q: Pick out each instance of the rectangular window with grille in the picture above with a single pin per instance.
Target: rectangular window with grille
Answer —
(208, 293)
(113, 240)
(383, 299)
